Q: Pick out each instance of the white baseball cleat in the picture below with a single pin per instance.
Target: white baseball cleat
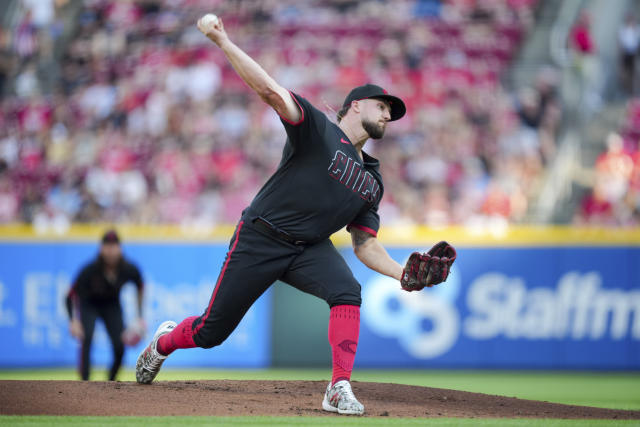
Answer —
(150, 361)
(340, 399)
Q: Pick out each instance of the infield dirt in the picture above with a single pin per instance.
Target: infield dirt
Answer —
(224, 398)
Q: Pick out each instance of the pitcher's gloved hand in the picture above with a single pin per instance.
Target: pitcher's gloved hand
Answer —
(428, 269)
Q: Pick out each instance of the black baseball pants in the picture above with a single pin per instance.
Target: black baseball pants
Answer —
(111, 315)
(255, 261)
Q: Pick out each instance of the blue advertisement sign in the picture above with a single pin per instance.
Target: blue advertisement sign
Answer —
(555, 308)
(516, 307)
(179, 280)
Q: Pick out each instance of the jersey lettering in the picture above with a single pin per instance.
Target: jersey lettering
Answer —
(348, 170)
(338, 165)
(368, 183)
(352, 175)
(376, 190)
(355, 175)
(357, 187)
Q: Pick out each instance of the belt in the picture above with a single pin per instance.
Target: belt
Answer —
(273, 231)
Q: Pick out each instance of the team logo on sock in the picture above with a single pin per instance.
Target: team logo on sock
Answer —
(346, 346)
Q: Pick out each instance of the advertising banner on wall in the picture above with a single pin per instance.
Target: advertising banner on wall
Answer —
(560, 307)
(179, 280)
(515, 307)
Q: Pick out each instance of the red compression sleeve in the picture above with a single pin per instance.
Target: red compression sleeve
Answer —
(180, 337)
(344, 328)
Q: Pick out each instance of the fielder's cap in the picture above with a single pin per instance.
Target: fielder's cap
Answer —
(110, 236)
(370, 91)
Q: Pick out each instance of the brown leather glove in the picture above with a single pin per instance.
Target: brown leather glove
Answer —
(428, 269)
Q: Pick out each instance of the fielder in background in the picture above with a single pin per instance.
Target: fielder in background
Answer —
(324, 182)
(96, 294)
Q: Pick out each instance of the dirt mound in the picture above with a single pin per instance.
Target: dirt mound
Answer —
(269, 398)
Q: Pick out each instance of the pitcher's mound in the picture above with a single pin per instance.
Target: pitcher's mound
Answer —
(270, 398)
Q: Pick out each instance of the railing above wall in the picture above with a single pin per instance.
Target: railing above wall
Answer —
(410, 235)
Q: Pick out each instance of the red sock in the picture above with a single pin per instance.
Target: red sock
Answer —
(344, 328)
(180, 337)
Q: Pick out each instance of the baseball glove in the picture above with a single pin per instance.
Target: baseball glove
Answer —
(134, 333)
(428, 269)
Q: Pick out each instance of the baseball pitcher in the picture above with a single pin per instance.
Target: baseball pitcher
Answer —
(325, 181)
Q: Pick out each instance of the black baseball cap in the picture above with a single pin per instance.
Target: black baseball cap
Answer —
(371, 91)
(110, 236)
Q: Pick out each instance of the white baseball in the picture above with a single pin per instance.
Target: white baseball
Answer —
(209, 20)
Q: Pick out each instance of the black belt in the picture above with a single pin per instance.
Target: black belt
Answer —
(272, 230)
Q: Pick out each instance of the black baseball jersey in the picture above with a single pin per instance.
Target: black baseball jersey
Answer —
(93, 285)
(321, 184)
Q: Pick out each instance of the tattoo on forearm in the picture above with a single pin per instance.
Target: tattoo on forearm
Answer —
(359, 237)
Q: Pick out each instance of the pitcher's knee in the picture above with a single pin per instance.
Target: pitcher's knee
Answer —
(350, 294)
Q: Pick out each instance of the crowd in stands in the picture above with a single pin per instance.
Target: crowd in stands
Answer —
(615, 197)
(146, 121)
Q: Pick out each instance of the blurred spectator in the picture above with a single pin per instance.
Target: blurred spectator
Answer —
(64, 197)
(629, 43)
(585, 62)
(9, 202)
(42, 11)
(539, 112)
(614, 199)
(27, 84)
(581, 39)
(595, 209)
(25, 42)
(6, 62)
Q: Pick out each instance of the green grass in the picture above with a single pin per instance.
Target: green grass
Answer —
(297, 421)
(619, 390)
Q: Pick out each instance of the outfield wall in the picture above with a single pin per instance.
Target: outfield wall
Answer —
(519, 298)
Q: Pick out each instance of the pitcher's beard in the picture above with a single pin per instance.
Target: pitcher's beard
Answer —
(374, 131)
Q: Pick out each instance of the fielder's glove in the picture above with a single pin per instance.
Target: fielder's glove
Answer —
(428, 269)
(134, 333)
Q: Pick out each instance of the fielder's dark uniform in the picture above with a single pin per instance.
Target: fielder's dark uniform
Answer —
(96, 295)
(320, 186)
